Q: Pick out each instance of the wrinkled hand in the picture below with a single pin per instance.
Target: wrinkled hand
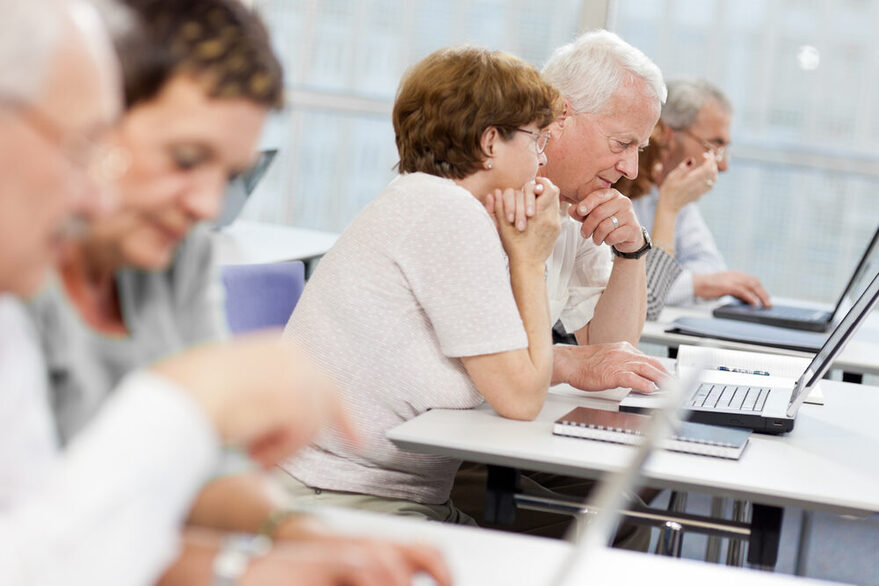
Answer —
(344, 561)
(260, 392)
(595, 210)
(536, 238)
(736, 283)
(598, 367)
(688, 182)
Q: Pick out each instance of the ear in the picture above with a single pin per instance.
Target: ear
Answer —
(489, 139)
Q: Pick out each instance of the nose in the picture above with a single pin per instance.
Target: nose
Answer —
(628, 164)
(204, 198)
(723, 164)
(541, 159)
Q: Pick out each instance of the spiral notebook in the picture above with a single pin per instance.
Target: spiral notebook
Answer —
(627, 428)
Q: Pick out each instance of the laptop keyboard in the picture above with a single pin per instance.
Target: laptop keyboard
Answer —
(729, 397)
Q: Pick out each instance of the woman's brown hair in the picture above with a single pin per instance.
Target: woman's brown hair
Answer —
(648, 159)
(221, 43)
(447, 100)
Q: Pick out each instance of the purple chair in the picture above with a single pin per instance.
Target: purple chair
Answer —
(261, 296)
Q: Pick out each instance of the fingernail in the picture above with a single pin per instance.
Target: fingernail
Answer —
(583, 210)
(510, 218)
(521, 225)
(530, 210)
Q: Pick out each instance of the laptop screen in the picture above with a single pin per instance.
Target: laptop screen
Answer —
(838, 338)
(867, 267)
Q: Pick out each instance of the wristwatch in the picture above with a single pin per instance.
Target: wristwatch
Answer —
(236, 553)
(648, 244)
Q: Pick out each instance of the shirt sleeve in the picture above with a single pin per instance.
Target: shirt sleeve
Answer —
(662, 272)
(454, 262)
(695, 248)
(111, 510)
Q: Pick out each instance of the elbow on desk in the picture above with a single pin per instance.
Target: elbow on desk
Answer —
(517, 398)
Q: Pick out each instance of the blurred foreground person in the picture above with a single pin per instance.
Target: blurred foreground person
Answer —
(200, 78)
(108, 509)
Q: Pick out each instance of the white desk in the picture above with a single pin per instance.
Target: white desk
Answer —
(246, 242)
(828, 462)
(860, 356)
(480, 557)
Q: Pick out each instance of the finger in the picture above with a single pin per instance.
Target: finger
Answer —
(429, 560)
(489, 207)
(650, 372)
(634, 381)
(530, 197)
(521, 215)
(762, 295)
(595, 199)
(509, 198)
(745, 295)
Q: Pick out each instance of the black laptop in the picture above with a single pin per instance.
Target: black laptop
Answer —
(800, 318)
(744, 400)
(240, 188)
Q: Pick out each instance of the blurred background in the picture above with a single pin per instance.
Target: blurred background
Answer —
(798, 204)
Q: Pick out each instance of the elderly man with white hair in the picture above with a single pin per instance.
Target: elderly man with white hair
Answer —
(596, 275)
(107, 510)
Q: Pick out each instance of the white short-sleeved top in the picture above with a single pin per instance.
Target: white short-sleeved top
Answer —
(577, 272)
(418, 280)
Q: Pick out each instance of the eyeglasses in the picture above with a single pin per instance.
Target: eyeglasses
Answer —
(540, 139)
(103, 163)
(721, 153)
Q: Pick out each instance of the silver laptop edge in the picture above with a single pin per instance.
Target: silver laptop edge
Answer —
(836, 341)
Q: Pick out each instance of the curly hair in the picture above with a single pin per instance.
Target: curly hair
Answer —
(447, 100)
(652, 154)
(220, 43)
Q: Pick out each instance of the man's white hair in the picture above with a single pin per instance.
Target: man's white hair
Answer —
(589, 70)
(686, 97)
(30, 31)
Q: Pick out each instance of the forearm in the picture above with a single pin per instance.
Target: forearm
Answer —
(621, 309)
(663, 231)
(515, 382)
(236, 502)
(529, 291)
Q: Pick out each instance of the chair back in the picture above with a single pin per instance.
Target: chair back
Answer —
(261, 296)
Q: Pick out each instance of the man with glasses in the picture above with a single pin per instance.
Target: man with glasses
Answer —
(697, 115)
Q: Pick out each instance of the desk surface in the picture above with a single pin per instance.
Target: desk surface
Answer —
(480, 557)
(860, 356)
(828, 462)
(246, 242)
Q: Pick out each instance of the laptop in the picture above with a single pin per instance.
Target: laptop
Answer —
(240, 188)
(754, 401)
(801, 318)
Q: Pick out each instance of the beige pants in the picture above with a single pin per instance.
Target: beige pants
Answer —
(305, 496)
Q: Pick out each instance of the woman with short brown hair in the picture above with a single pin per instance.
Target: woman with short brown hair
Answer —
(424, 302)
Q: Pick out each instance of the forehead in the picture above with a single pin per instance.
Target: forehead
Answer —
(713, 119)
(631, 113)
(183, 112)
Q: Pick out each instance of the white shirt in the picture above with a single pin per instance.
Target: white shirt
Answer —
(695, 248)
(28, 445)
(577, 272)
(418, 280)
(107, 511)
